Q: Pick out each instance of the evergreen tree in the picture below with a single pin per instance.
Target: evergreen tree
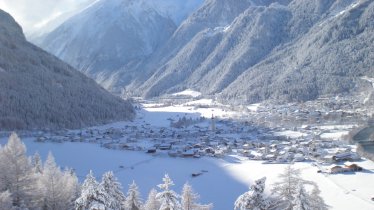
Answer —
(58, 188)
(114, 190)
(254, 199)
(5, 201)
(152, 203)
(37, 163)
(72, 187)
(51, 184)
(93, 195)
(286, 189)
(189, 197)
(16, 172)
(133, 198)
(302, 200)
(316, 201)
(168, 198)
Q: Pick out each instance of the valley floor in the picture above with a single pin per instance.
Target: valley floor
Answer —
(221, 180)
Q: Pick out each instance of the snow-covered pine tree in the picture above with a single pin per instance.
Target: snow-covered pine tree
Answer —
(133, 201)
(152, 203)
(167, 197)
(254, 199)
(287, 187)
(16, 172)
(51, 185)
(316, 201)
(188, 197)
(5, 201)
(58, 188)
(302, 199)
(114, 190)
(93, 195)
(36, 162)
(72, 187)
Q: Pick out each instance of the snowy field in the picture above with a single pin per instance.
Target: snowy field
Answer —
(215, 185)
(222, 180)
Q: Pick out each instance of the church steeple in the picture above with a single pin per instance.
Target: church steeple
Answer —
(213, 123)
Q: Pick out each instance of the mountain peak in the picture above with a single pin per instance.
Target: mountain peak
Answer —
(9, 27)
(248, 50)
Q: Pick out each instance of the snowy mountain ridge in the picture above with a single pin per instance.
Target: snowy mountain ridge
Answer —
(116, 34)
(246, 50)
(177, 10)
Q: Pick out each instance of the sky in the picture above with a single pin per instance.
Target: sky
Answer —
(34, 14)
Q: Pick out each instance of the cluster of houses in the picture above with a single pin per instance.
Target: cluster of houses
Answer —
(227, 137)
(324, 110)
(254, 134)
(347, 167)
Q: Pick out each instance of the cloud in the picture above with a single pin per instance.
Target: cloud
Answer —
(33, 13)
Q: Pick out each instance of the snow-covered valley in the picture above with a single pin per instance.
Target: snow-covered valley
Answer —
(186, 105)
(222, 178)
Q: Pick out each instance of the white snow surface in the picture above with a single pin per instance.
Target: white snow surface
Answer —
(334, 135)
(188, 92)
(253, 107)
(291, 134)
(159, 116)
(224, 180)
(200, 102)
(352, 6)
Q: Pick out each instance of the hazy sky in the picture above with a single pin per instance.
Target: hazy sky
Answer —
(31, 14)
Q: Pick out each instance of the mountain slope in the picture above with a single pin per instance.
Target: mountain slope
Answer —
(329, 59)
(37, 90)
(286, 50)
(240, 50)
(113, 37)
(228, 49)
(183, 53)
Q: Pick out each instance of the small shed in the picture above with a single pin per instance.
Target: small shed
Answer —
(151, 150)
(352, 166)
(165, 146)
(188, 153)
(336, 169)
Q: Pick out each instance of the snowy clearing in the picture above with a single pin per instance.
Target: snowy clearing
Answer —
(253, 107)
(291, 134)
(334, 135)
(206, 102)
(160, 116)
(336, 127)
(188, 92)
(146, 170)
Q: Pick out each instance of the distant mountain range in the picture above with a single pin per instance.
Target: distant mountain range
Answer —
(237, 50)
(116, 36)
(39, 91)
